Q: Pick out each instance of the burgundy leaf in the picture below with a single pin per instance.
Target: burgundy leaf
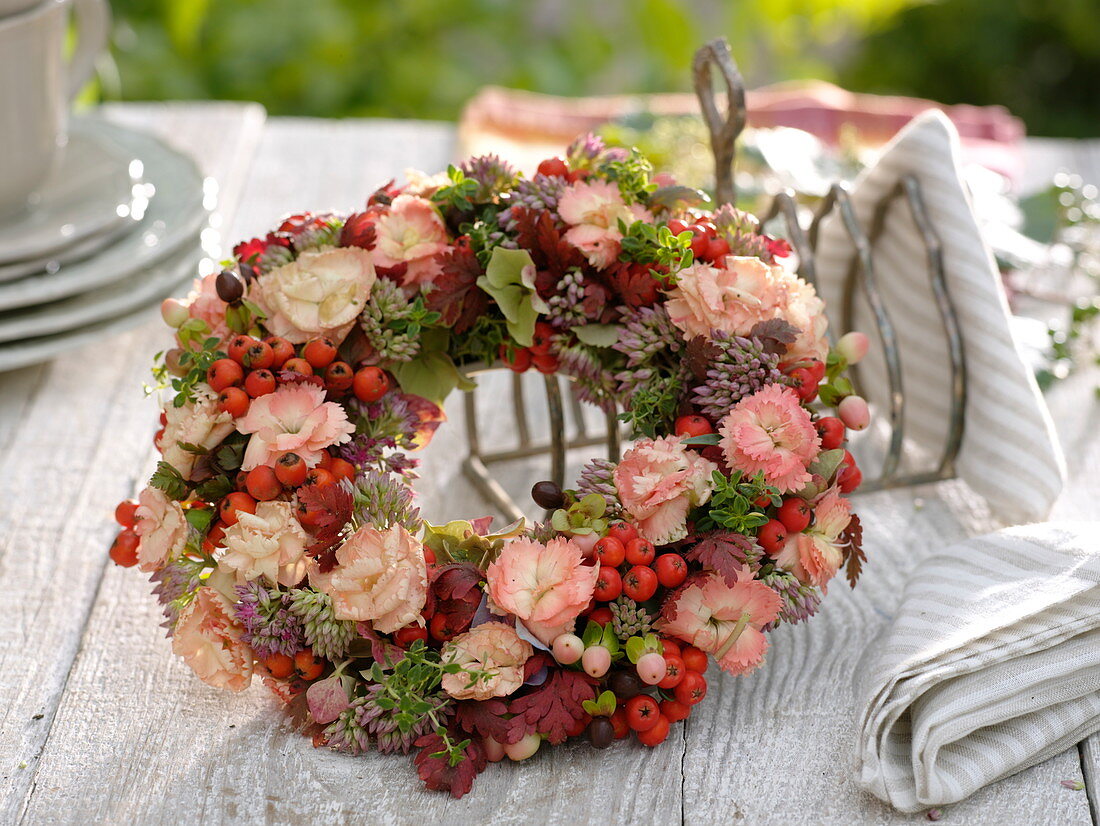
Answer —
(437, 772)
(851, 539)
(487, 718)
(554, 707)
(724, 553)
(455, 294)
(539, 235)
(775, 334)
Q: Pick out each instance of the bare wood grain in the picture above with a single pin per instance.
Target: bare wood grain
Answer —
(75, 433)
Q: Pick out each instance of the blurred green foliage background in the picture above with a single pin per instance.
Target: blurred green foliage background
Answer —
(424, 58)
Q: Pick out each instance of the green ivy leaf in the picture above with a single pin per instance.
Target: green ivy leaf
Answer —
(597, 335)
(510, 280)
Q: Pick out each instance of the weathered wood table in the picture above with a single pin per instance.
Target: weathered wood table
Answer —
(99, 723)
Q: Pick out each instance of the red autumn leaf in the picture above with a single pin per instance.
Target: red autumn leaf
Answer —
(635, 284)
(429, 416)
(537, 233)
(437, 772)
(333, 504)
(724, 553)
(535, 663)
(554, 707)
(487, 718)
(455, 293)
(851, 539)
(358, 229)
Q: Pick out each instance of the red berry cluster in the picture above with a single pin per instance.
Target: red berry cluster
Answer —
(538, 355)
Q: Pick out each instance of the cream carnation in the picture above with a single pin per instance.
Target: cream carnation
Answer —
(546, 586)
(594, 209)
(493, 648)
(659, 481)
(268, 543)
(211, 643)
(162, 528)
(199, 422)
(380, 577)
(294, 419)
(320, 293)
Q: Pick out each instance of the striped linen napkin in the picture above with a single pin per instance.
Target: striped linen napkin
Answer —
(992, 664)
(1010, 454)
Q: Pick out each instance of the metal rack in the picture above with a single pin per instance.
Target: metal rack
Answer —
(861, 279)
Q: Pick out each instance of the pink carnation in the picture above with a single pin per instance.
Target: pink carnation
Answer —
(814, 555)
(203, 303)
(743, 291)
(659, 481)
(211, 643)
(770, 431)
(723, 620)
(380, 577)
(162, 528)
(494, 648)
(594, 209)
(294, 419)
(411, 232)
(546, 586)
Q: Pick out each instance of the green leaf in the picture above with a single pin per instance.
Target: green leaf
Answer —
(705, 439)
(635, 649)
(597, 335)
(169, 480)
(593, 633)
(215, 488)
(510, 280)
(827, 462)
(199, 518)
(432, 375)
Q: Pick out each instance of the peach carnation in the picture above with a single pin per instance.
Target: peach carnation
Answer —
(268, 543)
(411, 232)
(770, 431)
(593, 210)
(659, 481)
(380, 577)
(162, 528)
(211, 643)
(199, 422)
(320, 293)
(723, 620)
(294, 419)
(494, 648)
(743, 291)
(546, 586)
(814, 555)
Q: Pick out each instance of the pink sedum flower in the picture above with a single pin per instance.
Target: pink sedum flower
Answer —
(203, 303)
(546, 586)
(723, 620)
(199, 422)
(814, 555)
(294, 419)
(162, 528)
(411, 232)
(380, 577)
(743, 291)
(211, 643)
(268, 543)
(320, 293)
(770, 431)
(492, 647)
(659, 481)
(593, 211)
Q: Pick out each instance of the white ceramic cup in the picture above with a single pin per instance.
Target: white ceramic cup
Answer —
(36, 86)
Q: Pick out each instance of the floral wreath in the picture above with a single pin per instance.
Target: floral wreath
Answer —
(280, 529)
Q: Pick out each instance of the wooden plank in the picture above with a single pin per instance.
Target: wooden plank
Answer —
(71, 451)
(177, 746)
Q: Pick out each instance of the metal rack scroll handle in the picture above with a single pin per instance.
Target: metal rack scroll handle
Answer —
(861, 278)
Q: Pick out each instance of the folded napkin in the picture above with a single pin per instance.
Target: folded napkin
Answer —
(991, 665)
(1010, 453)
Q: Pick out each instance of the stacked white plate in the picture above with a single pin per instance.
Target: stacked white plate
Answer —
(112, 233)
